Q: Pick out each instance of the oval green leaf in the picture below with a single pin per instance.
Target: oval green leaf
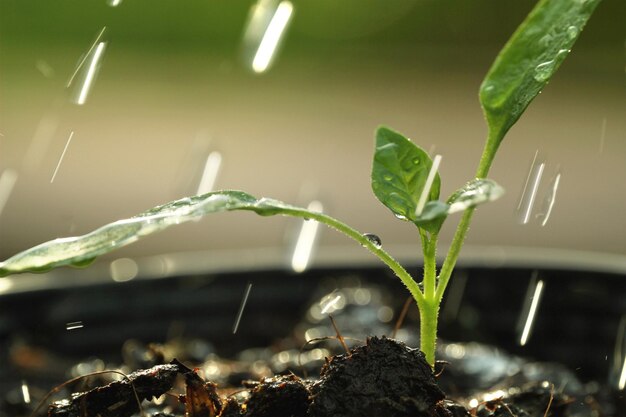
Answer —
(528, 61)
(399, 173)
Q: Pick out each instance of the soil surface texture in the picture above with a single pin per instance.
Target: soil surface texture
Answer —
(384, 377)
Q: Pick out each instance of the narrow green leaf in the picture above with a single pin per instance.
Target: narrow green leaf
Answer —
(81, 250)
(528, 61)
(475, 192)
(399, 173)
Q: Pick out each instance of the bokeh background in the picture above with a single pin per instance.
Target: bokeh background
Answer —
(175, 84)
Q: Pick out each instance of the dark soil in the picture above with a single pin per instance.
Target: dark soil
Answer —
(382, 378)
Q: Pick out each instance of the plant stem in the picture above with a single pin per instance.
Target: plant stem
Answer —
(402, 273)
(486, 160)
(453, 253)
(429, 311)
(429, 248)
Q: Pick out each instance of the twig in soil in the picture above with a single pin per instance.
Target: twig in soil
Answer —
(315, 340)
(405, 309)
(492, 405)
(339, 336)
(78, 378)
(550, 401)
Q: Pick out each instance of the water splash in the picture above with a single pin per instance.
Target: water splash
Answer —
(67, 144)
(474, 193)
(114, 3)
(244, 301)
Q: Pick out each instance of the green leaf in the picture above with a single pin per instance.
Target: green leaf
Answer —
(81, 250)
(399, 173)
(528, 61)
(475, 192)
(432, 217)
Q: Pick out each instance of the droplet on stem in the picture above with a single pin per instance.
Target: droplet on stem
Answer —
(373, 239)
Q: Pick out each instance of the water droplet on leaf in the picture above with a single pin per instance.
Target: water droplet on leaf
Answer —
(374, 239)
(572, 32)
(544, 70)
(387, 177)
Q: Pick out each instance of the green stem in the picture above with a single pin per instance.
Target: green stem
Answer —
(429, 311)
(429, 308)
(402, 273)
(453, 253)
(486, 159)
(429, 248)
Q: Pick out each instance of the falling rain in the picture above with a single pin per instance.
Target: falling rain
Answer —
(86, 72)
(244, 301)
(67, 144)
(531, 193)
(264, 32)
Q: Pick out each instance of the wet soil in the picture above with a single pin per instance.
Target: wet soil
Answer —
(384, 377)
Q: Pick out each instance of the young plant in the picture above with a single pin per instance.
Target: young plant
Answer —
(404, 178)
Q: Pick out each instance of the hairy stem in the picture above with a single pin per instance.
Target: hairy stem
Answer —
(429, 248)
(402, 273)
(429, 308)
(429, 311)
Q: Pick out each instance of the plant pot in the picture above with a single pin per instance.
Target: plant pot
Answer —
(487, 341)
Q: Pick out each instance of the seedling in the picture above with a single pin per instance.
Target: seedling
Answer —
(404, 177)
